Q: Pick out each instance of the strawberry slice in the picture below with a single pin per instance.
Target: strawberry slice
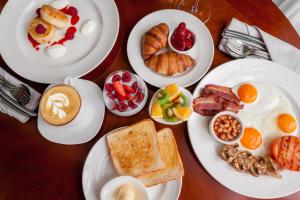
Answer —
(119, 88)
(128, 89)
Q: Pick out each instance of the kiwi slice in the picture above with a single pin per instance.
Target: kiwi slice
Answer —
(168, 113)
(162, 97)
(180, 101)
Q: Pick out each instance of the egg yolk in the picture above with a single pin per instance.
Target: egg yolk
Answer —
(247, 93)
(251, 138)
(286, 123)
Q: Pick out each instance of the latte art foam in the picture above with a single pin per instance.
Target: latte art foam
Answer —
(56, 103)
(60, 105)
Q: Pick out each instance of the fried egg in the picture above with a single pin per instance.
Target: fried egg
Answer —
(267, 114)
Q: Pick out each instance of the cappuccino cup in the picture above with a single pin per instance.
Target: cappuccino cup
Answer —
(60, 104)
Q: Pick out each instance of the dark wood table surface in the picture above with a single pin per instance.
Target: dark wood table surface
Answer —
(33, 168)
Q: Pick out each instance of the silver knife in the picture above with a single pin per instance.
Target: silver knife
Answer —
(16, 104)
(9, 105)
(250, 37)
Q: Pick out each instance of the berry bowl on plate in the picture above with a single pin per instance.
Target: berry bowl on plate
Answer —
(182, 39)
(124, 93)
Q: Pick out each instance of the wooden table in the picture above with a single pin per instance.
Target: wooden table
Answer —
(34, 168)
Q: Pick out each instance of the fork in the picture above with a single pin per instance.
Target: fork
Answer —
(19, 92)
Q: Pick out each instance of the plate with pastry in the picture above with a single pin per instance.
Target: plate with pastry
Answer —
(170, 46)
(245, 127)
(57, 38)
(138, 151)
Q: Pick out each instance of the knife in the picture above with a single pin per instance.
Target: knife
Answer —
(9, 105)
(250, 37)
(15, 104)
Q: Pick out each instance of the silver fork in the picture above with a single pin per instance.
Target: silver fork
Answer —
(242, 50)
(19, 92)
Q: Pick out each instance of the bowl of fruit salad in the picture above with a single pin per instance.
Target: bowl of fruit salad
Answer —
(182, 39)
(124, 93)
(171, 105)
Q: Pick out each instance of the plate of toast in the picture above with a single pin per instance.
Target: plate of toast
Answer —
(139, 151)
(170, 46)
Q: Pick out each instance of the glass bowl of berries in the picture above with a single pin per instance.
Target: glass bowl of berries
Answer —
(124, 93)
(182, 40)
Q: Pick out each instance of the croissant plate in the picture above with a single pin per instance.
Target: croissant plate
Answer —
(170, 63)
(154, 40)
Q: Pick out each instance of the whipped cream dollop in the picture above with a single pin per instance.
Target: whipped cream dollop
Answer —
(87, 27)
(59, 4)
(56, 51)
(56, 102)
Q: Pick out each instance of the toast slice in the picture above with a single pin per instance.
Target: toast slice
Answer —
(173, 169)
(134, 150)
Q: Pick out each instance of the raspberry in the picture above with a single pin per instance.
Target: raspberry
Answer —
(72, 11)
(135, 86)
(70, 36)
(116, 78)
(109, 87)
(126, 77)
(40, 29)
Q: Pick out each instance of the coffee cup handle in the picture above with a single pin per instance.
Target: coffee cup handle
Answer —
(69, 81)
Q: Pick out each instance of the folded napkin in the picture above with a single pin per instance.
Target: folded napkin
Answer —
(32, 105)
(279, 51)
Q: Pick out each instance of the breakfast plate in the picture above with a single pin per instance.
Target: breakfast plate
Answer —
(87, 123)
(98, 170)
(84, 52)
(202, 52)
(207, 149)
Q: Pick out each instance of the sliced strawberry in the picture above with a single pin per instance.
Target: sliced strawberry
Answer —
(119, 88)
(128, 89)
(135, 86)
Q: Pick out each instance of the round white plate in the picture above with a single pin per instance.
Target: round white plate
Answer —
(203, 51)
(87, 123)
(206, 149)
(83, 54)
(98, 170)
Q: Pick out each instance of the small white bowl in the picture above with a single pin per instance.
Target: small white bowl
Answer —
(188, 52)
(214, 135)
(109, 190)
(162, 121)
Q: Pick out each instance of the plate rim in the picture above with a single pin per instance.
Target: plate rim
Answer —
(182, 12)
(190, 132)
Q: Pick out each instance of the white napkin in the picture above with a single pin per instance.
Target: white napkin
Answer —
(279, 51)
(32, 105)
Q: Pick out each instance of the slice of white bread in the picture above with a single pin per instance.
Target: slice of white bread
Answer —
(173, 169)
(134, 149)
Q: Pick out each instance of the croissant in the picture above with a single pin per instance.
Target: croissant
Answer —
(154, 40)
(170, 63)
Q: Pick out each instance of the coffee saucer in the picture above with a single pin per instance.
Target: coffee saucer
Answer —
(87, 123)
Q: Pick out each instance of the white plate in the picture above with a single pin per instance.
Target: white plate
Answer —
(203, 51)
(162, 121)
(98, 170)
(84, 53)
(206, 148)
(87, 123)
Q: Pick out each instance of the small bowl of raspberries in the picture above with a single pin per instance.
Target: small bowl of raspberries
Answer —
(182, 39)
(124, 93)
